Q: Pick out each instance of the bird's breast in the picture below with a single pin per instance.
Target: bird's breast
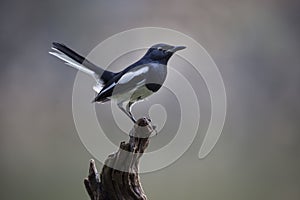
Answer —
(140, 94)
(136, 94)
(156, 77)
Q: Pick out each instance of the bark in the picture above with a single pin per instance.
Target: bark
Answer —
(119, 178)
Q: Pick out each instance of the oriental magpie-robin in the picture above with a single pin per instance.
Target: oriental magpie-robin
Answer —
(133, 84)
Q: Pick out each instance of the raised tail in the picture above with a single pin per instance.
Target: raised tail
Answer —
(77, 61)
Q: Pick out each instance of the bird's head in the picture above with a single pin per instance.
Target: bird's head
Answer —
(162, 52)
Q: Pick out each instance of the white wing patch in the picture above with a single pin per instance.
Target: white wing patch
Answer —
(130, 75)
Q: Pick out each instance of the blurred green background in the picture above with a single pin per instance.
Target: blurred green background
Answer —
(255, 44)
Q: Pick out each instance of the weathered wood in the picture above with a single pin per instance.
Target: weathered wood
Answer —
(119, 178)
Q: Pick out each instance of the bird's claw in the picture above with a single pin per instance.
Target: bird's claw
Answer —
(146, 121)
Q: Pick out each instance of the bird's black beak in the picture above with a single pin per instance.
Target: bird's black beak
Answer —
(176, 48)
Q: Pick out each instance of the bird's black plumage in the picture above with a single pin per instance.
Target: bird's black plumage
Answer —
(134, 83)
(154, 87)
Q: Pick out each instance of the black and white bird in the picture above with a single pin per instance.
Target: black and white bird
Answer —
(133, 84)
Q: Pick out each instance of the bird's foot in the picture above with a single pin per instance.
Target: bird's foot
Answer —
(132, 119)
(146, 121)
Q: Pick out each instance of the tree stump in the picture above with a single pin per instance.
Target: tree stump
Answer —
(119, 178)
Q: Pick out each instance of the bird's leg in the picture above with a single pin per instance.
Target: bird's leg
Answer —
(120, 105)
(128, 110)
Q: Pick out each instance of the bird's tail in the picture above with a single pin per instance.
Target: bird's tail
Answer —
(77, 61)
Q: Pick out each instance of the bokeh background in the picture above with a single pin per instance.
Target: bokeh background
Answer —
(255, 44)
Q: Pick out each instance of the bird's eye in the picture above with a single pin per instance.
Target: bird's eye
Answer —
(160, 49)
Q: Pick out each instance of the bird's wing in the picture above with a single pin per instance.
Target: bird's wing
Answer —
(126, 82)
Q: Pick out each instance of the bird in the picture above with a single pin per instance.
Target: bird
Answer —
(129, 86)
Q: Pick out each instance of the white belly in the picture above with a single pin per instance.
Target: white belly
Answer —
(137, 94)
